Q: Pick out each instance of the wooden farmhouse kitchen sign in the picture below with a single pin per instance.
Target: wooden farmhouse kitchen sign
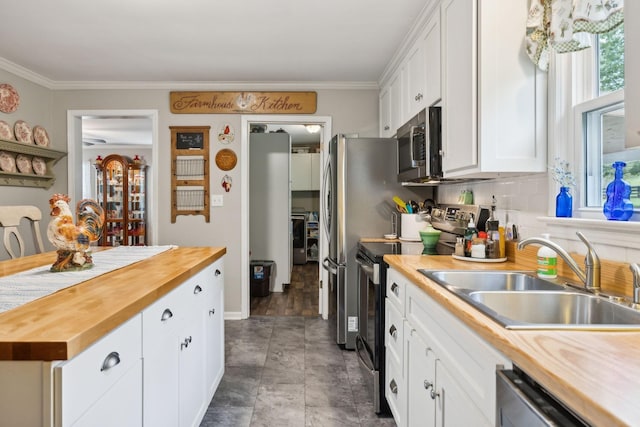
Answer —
(243, 102)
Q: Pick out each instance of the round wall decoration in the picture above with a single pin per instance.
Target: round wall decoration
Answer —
(9, 98)
(226, 159)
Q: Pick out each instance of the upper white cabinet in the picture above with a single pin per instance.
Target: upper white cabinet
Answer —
(493, 98)
(305, 171)
(423, 69)
(385, 113)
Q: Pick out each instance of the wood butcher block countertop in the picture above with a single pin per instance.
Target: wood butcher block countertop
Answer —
(597, 374)
(61, 325)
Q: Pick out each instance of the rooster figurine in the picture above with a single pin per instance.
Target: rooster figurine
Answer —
(73, 240)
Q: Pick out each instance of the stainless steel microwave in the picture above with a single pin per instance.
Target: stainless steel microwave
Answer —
(420, 147)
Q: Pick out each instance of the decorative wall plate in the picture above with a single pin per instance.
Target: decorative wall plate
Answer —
(39, 166)
(9, 98)
(23, 132)
(24, 163)
(6, 132)
(226, 134)
(40, 136)
(226, 159)
(7, 162)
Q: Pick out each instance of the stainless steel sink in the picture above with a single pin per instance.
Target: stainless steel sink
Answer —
(519, 300)
(555, 310)
(468, 281)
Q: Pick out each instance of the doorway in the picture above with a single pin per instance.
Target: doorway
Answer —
(246, 124)
(92, 132)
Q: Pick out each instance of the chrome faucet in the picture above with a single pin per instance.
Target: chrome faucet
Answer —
(635, 269)
(590, 277)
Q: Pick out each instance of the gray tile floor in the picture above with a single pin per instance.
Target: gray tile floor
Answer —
(288, 371)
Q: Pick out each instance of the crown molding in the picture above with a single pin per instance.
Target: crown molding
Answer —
(40, 80)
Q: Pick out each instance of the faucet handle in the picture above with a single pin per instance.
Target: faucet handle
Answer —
(591, 257)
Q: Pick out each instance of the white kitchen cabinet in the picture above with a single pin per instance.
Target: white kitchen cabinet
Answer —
(305, 171)
(183, 350)
(493, 97)
(398, 98)
(447, 372)
(386, 131)
(415, 66)
(89, 387)
(214, 330)
(431, 43)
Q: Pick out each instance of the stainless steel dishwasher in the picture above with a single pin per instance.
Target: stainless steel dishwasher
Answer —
(521, 402)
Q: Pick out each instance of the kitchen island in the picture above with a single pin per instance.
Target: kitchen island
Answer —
(72, 357)
(596, 374)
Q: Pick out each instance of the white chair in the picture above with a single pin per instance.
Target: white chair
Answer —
(10, 217)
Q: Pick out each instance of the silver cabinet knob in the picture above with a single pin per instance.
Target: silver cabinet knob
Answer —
(218, 272)
(387, 127)
(393, 331)
(166, 315)
(393, 387)
(197, 289)
(395, 289)
(433, 394)
(427, 384)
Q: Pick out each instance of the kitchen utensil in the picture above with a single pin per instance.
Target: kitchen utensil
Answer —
(414, 206)
(398, 201)
(408, 208)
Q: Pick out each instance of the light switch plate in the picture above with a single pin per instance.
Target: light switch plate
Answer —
(217, 200)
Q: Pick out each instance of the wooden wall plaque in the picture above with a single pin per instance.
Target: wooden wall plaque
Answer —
(189, 171)
(243, 102)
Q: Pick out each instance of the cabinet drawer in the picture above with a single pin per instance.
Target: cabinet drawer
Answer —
(195, 290)
(81, 381)
(396, 285)
(396, 393)
(394, 335)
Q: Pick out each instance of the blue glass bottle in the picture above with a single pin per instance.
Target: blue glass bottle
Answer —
(564, 203)
(618, 207)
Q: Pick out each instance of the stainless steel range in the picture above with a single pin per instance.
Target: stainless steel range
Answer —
(372, 277)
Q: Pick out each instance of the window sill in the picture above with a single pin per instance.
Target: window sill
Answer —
(613, 233)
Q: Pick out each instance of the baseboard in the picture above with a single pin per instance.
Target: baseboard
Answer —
(233, 315)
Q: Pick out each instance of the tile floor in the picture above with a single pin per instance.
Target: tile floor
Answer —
(288, 371)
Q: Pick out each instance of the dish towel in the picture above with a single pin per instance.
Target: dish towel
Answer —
(26, 286)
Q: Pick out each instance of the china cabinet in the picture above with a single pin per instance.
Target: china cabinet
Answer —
(121, 192)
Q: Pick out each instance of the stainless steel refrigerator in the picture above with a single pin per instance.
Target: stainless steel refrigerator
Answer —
(360, 180)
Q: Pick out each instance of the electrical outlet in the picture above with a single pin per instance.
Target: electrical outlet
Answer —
(217, 200)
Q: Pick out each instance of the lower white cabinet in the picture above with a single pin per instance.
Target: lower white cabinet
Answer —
(446, 373)
(183, 350)
(102, 386)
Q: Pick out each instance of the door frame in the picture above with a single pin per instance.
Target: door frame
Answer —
(245, 126)
(74, 158)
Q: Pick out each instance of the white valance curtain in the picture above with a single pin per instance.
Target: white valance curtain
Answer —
(565, 25)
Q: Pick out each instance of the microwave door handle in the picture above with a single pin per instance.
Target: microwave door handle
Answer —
(412, 135)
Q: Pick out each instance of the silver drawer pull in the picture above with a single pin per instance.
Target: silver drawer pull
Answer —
(395, 290)
(427, 384)
(218, 272)
(212, 312)
(197, 289)
(166, 315)
(393, 387)
(110, 361)
(393, 331)
(434, 394)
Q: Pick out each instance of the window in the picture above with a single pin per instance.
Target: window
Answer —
(601, 118)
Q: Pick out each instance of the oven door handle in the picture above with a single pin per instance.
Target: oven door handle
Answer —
(363, 355)
(371, 269)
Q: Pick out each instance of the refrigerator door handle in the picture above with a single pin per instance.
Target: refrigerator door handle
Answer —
(326, 192)
(330, 266)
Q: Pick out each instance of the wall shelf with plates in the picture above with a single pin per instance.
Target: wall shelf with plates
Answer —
(36, 168)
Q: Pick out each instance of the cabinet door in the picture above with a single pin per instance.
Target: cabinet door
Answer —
(398, 109)
(192, 372)
(120, 406)
(300, 175)
(431, 44)
(454, 407)
(314, 159)
(459, 85)
(421, 373)
(214, 330)
(160, 330)
(386, 131)
(415, 78)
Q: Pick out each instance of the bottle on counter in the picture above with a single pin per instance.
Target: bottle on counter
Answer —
(470, 233)
(547, 261)
(459, 250)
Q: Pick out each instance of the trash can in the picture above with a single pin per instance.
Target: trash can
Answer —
(261, 272)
